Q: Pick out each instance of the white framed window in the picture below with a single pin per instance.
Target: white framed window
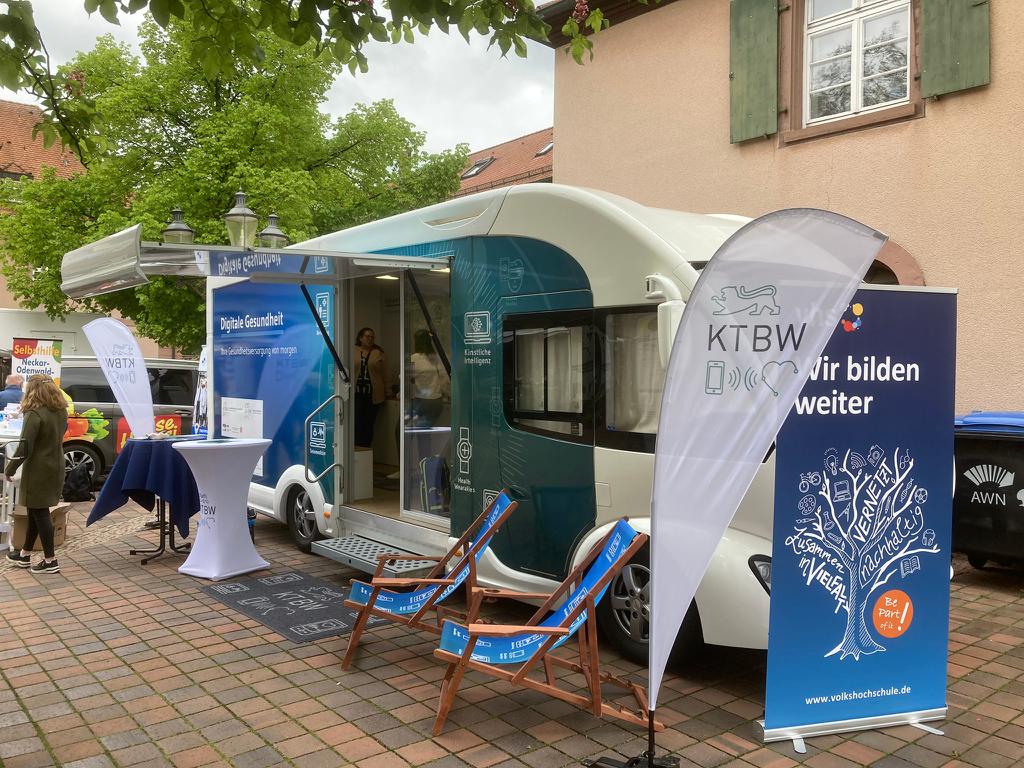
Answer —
(856, 57)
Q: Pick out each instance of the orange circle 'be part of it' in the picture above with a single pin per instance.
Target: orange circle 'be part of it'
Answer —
(893, 613)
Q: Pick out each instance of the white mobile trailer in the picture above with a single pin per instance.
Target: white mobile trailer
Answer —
(554, 308)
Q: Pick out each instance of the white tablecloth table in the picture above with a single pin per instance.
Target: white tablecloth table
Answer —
(222, 469)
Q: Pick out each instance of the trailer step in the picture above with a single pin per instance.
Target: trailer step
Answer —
(361, 554)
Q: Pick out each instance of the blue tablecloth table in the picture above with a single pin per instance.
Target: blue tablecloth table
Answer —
(151, 473)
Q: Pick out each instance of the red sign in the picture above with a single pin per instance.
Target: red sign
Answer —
(165, 425)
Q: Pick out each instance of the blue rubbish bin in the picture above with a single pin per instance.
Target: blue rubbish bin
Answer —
(988, 500)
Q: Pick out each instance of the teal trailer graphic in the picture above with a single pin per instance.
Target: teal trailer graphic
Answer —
(509, 294)
(860, 564)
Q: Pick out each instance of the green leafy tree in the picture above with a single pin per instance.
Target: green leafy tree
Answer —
(165, 133)
(229, 34)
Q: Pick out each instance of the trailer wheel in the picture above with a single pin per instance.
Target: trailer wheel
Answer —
(624, 614)
(302, 520)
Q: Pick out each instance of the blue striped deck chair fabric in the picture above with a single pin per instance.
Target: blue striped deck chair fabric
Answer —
(408, 600)
(511, 652)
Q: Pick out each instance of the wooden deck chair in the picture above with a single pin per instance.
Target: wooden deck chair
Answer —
(381, 596)
(511, 653)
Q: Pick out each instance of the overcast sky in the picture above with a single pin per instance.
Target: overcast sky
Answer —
(453, 91)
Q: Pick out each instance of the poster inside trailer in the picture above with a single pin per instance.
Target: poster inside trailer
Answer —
(863, 503)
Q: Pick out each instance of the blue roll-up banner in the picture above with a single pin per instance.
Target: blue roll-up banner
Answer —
(271, 370)
(863, 506)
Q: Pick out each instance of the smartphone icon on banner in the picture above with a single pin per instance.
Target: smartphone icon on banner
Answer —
(715, 377)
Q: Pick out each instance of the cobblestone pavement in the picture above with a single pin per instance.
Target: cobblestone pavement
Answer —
(113, 663)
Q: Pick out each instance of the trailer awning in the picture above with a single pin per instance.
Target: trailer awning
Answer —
(123, 260)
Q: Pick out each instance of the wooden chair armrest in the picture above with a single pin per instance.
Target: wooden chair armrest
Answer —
(391, 558)
(381, 582)
(506, 630)
(511, 593)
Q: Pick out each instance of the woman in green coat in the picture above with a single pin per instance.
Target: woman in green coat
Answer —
(41, 456)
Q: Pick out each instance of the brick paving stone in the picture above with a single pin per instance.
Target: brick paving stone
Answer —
(196, 756)
(68, 753)
(547, 757)
(358, 749)
(12, 747)
(91, 762)
(397, 737)
(389, 760)
(181, 742)
(31, 760)
(324, 758)
(300, 745)
(421, 752)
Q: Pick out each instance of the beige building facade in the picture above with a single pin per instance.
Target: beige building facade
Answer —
(650, 118)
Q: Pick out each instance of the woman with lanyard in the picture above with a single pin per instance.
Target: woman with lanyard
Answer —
(370, 387)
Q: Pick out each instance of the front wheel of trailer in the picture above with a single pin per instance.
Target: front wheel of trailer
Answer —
(625, 612)
(302, 519)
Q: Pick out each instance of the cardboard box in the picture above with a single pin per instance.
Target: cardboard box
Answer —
(59, 515)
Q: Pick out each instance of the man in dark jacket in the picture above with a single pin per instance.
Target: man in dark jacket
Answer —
(12, 393)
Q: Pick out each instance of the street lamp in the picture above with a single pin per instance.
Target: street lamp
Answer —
(178, 232)
(271, 236)
(241, 223)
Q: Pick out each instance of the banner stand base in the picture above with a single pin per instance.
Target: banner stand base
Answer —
(798, 746)
(800, 732)
(665, 761)
(927, 729)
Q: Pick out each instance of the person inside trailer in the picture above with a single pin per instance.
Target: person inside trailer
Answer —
(370, 385)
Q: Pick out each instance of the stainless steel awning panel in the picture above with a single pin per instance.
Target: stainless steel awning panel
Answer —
(108, 265)
(123, 260)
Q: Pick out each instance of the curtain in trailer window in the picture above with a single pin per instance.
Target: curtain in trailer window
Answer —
(530, 369)
(549, 376)
(565, 370)
(633, 373)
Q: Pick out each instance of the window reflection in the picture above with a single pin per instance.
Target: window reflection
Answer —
(426, 394)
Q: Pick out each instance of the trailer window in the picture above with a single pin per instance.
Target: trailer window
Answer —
(629, 398)
(548, 374)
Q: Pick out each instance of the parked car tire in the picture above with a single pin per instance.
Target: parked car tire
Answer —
(83, 453)
(302, 519)
(623, 616)
(977, 561)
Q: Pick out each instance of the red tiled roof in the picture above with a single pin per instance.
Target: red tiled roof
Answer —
(515, 162)
(20, 153)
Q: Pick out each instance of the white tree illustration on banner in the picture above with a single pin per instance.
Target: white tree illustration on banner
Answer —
(860, 522)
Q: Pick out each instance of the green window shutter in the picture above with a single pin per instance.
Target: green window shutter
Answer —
(753, 69)
(954, 45)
